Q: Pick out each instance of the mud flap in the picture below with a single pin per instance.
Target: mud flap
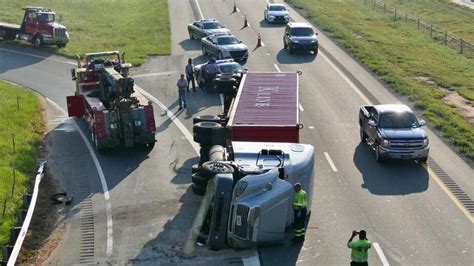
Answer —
(220, 212)
(75, 105)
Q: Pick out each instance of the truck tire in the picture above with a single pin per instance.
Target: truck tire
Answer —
(205, 128)
(220, 212)
(191, 35)
(38, 41)
(423, 160)
(203, 139)
(62, 45)
(196, 169)
(213, 168)
(198, 190)
(207, 118)
(219, 136)
(199, 180)
(362, 135)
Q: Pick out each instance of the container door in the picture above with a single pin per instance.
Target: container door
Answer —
(75, 105)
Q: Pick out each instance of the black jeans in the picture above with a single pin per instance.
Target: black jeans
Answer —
(191, 79)
(299, 223)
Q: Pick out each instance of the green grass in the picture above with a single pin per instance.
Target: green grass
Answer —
(138, 27)
(398, 53)
(27, 125)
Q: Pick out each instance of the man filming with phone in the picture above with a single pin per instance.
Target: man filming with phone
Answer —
(360, 248)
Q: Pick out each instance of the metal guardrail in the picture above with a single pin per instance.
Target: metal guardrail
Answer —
(26, 223)
(437, 34)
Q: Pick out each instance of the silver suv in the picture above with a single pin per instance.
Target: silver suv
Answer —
(299, 36)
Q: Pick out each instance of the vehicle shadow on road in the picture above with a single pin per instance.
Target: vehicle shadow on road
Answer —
(283, 57)
(190, 45)
(389, 177)
(11, 61)
(266, 24)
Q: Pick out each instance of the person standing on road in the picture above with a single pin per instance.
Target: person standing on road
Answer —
(182, 86)
(360, 248)
(300, 203)
(189, 70)
(212, 69)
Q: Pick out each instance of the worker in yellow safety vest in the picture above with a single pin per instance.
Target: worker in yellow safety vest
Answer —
(300, 203)
(360, 248)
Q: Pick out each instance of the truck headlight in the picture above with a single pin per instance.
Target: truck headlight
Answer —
(271, 16)
(240, 188)
(426, 142)
(385, 143)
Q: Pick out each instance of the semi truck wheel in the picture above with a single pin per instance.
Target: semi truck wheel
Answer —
(207, 118)
(202, 139)
(199, 180)
(38, 41)
(196, 169)
(205, 128)
(198, 190)
(363, 136)
(213, 168)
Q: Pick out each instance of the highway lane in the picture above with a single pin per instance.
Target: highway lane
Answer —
(403, 208)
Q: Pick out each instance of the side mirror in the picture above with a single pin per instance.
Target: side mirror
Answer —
(372, 123)
(422, 123)
(73, 74)
(240, 41)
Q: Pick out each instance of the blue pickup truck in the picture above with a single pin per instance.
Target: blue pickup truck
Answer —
(394, 132)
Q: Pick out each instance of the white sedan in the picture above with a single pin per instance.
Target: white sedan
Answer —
(276, 13)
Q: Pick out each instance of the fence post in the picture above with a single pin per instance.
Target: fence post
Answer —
(418, 23)
(17, 102)
(14, 181)
(431, 31)
(445, 37)
(462, 45)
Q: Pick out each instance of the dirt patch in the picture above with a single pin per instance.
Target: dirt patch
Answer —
(47, 224)
(452, 98)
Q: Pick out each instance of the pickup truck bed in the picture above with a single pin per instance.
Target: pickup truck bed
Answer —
(8, 31)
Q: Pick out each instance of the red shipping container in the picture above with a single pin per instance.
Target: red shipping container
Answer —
(266, 108)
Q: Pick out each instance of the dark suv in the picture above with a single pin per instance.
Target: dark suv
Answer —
(300, 37)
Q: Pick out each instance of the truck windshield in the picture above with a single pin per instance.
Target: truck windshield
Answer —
(227, 40)
(212, 25)
(45, 17)
(398, 120)
(302, 32)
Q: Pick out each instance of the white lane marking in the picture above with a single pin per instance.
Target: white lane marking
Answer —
(222, 99)
(154, 74)
(251, 260)
(105, 189)
(277, 68)
(381, 255)
(301, 107)
(331, 163)
(351, 84)
(199, 9)
(37, 56)
(171, 116)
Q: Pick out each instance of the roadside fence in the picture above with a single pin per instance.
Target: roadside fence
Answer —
(436, 33)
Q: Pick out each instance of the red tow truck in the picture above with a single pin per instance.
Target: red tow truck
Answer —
(38, 26)
(106, 99)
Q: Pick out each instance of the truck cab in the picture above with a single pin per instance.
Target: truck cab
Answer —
(394, 132)
(39, 26)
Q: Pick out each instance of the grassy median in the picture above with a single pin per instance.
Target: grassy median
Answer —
(138, 27)
(20, 119)
(438, 79)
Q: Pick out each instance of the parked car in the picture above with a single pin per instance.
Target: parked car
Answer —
(223, 46)
(300, 36)
(227, 67)
(276, 13)
(204, 27)
(394, 132)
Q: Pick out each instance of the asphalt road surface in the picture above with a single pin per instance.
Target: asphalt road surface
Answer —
(145, 211)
